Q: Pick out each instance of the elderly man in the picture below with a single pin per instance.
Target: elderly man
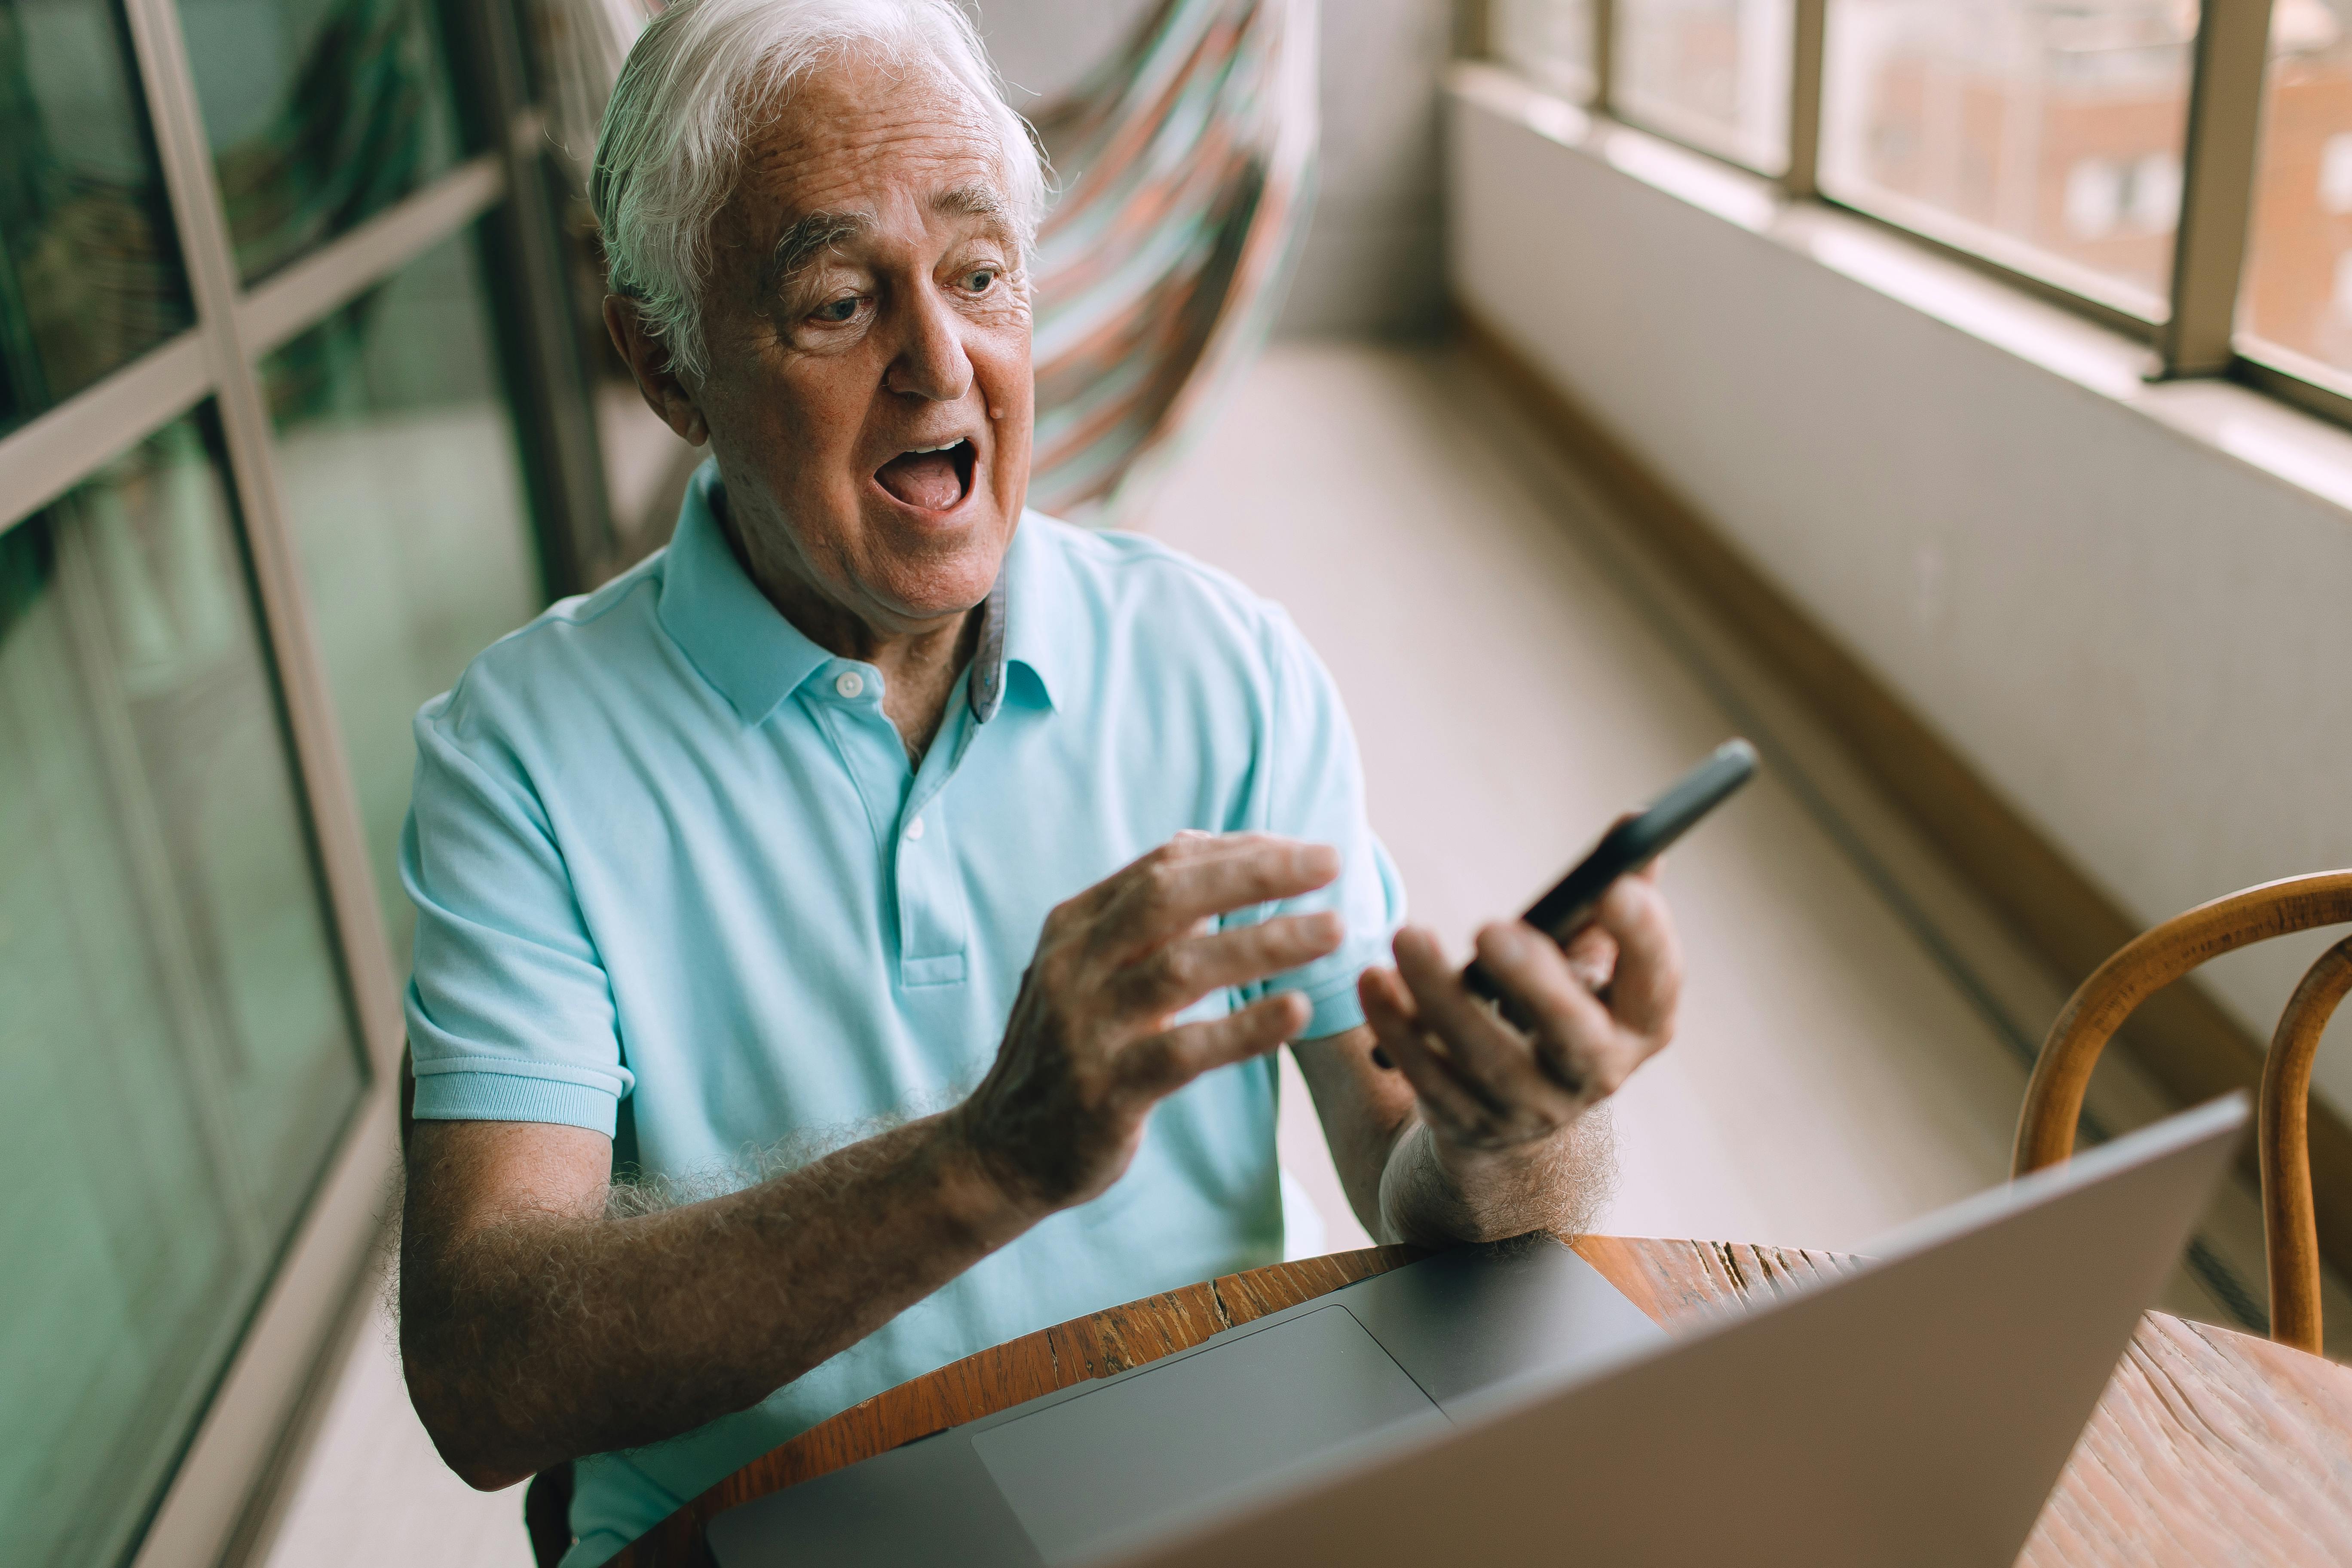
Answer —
(855, 936)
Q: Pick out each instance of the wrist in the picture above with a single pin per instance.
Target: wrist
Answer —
(1414, 1190)
(1436, 1190)
(973, 1189)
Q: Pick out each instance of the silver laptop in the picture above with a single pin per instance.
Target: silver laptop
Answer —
(1506, 1404)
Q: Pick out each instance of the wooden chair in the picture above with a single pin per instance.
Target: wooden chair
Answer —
(2155, 959)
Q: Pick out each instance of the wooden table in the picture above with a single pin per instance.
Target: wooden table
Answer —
(2208, 1447)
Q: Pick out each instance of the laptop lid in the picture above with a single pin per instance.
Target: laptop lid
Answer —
(1917, 1411)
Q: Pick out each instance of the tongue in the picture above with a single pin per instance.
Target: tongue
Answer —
(927, 479)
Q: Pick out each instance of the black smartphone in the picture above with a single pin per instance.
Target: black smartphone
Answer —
(1627, 847)
(1624, 850)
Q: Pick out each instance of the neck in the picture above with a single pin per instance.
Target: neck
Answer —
(919, 662)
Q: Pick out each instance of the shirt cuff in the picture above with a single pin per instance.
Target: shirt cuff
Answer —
(1334, 1007)
(471, 1094)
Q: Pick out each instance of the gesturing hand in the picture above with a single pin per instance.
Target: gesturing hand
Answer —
(1090, 1049)
(1597, 1011)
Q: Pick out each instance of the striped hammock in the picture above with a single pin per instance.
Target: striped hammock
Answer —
(1187, 170)
(1186, 167)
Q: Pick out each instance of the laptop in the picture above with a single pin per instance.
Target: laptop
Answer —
(1506, 1404)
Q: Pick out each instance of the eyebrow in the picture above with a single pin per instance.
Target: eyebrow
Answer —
(974, 198)
(807, 238)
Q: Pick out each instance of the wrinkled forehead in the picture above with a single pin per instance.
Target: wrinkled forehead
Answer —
(865, 142)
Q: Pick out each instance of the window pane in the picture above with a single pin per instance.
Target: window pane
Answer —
(2298, 294)
(1714, 73)
(171, 1005)
(321, 113)
(1552, 40)
(89, 272)
(2046, 136)
(406, 496)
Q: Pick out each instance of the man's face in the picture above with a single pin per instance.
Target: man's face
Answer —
(869, 395)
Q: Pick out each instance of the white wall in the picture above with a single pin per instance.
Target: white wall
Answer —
(2139, 639)
(1372, 258)
(1043, 46)
(1373, 261)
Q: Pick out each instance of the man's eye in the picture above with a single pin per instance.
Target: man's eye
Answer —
(978, 280)
(837, 309)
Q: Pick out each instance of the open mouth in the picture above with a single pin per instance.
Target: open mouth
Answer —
(934, 478)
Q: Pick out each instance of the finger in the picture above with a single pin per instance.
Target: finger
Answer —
(1195, 838)
(1646, 985)
(1444, 1099)
(1376, 984)
(1174, 886)
(1179, 974)
(1187, 844)
(1489, 1057)
(1572, 1029)
(1592, 955)
(1157, 1066)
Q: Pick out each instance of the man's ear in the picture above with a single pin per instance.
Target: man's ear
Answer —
(648, 359)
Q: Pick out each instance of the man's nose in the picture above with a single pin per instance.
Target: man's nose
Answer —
(930, 362)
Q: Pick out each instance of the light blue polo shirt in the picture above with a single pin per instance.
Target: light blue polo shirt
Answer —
(676, 881)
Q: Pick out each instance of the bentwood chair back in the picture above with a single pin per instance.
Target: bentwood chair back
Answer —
(2155, 959)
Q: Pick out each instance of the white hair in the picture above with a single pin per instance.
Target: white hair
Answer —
(701, 75)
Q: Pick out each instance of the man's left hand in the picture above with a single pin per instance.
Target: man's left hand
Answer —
(1597, 1011)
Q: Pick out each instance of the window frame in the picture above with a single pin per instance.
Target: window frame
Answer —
(2196, 336)
(251, 1425)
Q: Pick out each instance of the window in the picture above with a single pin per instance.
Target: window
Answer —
(2044, 140)
(2049, 137)
(405, 495)
(2297, 303)
(178, 1042)
(1711, 72)
(319, 115)
(89, 276)
(1552, 40)
(210, 570)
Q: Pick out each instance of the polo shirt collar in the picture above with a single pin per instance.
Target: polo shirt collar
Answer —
(745, 648)
(1042, 612)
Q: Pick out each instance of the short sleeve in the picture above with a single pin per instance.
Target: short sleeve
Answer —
(1310, 786)
(510, 1014)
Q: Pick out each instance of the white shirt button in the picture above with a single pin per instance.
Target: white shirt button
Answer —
(849, 683)
(915, 831)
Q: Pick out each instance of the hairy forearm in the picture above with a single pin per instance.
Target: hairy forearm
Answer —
(536, 1335)
(1435, 1194)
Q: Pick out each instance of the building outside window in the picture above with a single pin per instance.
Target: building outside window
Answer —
(1714, 73)
(2049, 136)
(2296, 307)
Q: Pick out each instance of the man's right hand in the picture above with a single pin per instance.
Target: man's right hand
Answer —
(1091, 1048)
